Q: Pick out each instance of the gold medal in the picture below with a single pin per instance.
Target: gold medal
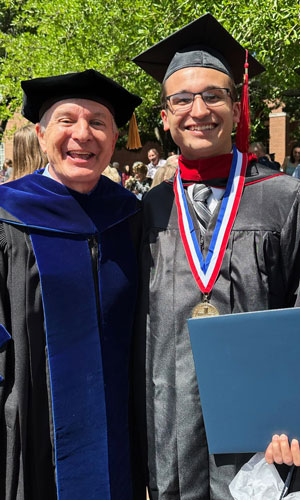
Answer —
(204, 309)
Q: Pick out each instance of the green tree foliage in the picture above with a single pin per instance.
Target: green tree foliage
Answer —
(39, 38)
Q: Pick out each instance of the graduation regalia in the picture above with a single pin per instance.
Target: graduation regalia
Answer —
(260, 270)
(68, 290)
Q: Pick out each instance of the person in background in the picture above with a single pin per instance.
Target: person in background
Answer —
(155, 162)
(112, 173)
(259, 150)
(292, 161)
(126, 173)
(166, 172)
(116, 165)
(27, 154)
(7, 170)
(139, 184)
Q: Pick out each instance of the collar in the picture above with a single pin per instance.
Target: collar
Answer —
(41, 202)
(207, 169)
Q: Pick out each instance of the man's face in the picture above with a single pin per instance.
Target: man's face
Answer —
(201, 132)
(79, 141)
(153, 157)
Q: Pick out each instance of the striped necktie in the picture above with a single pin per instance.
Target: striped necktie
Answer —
(200, 195)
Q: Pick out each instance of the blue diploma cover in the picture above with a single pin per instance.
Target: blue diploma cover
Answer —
(248, 371)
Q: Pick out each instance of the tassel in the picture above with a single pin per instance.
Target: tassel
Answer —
(134, 141)
(243, 128)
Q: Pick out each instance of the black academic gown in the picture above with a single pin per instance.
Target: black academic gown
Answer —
(260, 270)
(68, 278)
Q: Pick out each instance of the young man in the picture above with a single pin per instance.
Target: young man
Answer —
(68, 282)
(260, 267)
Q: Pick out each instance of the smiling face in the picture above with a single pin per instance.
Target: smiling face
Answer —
(153, 156)
(79, 139)
(201, 132)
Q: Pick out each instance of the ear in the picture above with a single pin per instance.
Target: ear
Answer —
(164, 117)
(41, 137)
(236, 112)
(114, 142)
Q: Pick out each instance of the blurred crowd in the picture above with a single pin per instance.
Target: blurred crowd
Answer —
(291, 163)
(138, 177)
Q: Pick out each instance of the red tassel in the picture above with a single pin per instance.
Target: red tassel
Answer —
(243, 128)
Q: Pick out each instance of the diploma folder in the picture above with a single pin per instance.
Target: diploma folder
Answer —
(248, 372)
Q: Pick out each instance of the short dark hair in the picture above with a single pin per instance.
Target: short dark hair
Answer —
(232, 87)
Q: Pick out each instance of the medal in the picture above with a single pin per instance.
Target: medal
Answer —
(204, 309)
(205, 271)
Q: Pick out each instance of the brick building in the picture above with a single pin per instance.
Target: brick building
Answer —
(279, 134)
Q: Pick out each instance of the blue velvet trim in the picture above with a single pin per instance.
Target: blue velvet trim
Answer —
(4, 337)
(49, 209)
(76, 371)
(118, 289)
(39, 201)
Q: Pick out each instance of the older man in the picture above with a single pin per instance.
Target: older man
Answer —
(154, 162)
(254, 266)
(68, 286)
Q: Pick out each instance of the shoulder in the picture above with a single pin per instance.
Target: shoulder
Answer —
(157, 205)
(161, 163)
(114, 190)
(269, 199)
(157, 193)
(267, 178)
(6, 216)
(12, 231)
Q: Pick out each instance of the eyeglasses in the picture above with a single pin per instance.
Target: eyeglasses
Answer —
(183, 101)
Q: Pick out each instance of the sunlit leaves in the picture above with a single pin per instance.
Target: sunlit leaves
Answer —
(44, 37)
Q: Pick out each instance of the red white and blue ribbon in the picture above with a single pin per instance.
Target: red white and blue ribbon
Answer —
(205, 271)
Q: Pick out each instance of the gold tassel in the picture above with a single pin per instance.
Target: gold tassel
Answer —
(134, 141)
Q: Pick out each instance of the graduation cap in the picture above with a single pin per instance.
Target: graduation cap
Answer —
(41, 93)
(204, 43)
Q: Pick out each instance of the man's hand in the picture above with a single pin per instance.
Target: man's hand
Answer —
(280, 452)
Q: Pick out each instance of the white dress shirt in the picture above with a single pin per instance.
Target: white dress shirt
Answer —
(212, 200)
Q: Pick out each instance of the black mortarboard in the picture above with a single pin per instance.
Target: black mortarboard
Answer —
(204, 43)
(41, 93)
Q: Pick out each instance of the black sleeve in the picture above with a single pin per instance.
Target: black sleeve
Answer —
(4, 312)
